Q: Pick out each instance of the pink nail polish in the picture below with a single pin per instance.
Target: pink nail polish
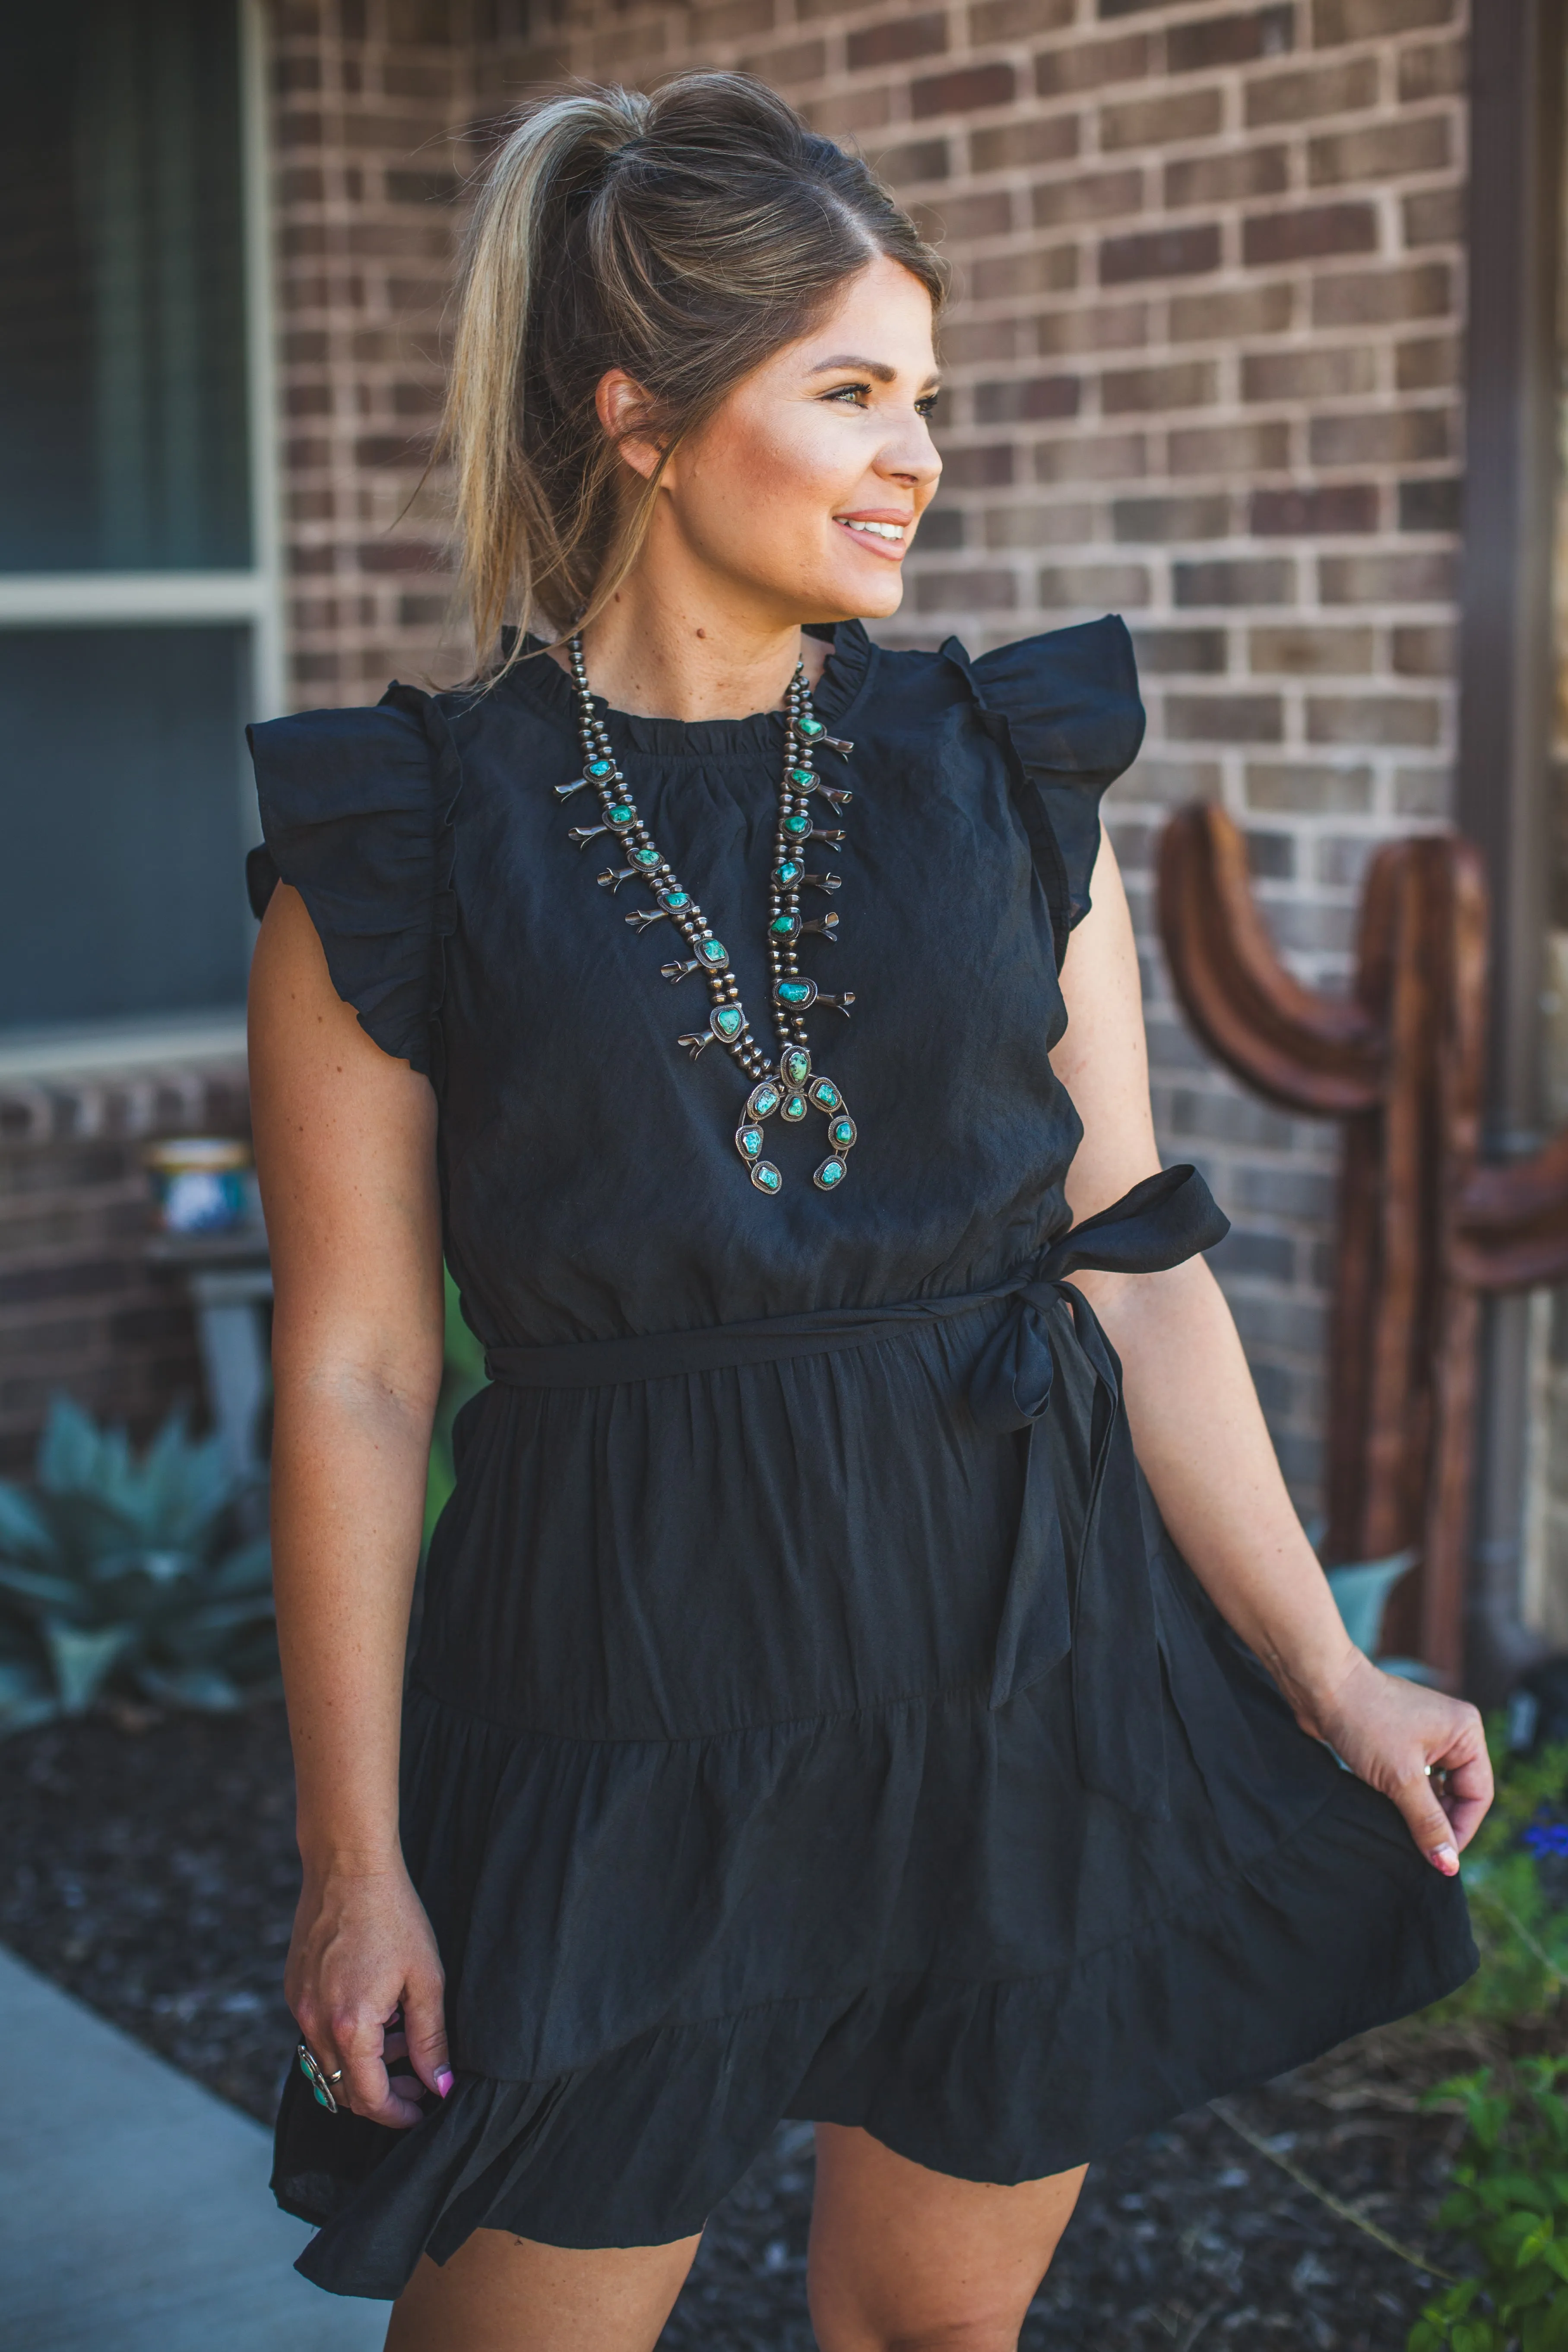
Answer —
(1446, 1859)
(443, 2080)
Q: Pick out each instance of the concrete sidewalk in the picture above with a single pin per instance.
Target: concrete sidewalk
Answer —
(134, 2212)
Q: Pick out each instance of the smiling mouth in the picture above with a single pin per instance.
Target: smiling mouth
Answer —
(886, 538)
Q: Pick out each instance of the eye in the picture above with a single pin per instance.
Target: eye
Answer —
(857, 392)
(926, 405)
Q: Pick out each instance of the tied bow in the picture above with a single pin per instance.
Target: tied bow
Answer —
(1100, 1610)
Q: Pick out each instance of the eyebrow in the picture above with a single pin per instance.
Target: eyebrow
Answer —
(877, 368)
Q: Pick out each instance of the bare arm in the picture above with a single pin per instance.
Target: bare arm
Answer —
(346, 1152)
(1202, 1439)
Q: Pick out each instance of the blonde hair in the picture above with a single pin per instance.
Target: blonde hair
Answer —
(683, 237)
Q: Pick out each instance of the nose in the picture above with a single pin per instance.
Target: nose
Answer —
(910, 455)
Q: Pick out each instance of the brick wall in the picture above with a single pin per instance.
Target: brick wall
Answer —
(1204, 360)
(80, 1307)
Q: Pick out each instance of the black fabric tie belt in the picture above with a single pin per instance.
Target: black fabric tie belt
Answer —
(1103, 1611)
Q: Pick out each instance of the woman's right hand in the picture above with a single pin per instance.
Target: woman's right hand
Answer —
(364, 1983)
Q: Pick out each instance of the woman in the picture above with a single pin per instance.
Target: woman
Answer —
(814, 1712)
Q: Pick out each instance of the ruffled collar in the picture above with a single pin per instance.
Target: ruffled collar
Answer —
(543, 685)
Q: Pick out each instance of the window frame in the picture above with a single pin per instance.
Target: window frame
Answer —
(144, 599)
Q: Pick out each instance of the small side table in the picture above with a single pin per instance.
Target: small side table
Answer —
(228, 1277)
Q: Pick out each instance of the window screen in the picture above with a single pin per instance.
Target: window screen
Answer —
(122, 370)
(121, 887)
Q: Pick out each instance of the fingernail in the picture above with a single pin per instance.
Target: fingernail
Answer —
(444, 2074)
(1447, 1858)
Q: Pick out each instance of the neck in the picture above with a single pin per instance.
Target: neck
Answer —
(691, 656)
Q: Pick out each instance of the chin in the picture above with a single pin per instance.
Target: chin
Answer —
(860, 600)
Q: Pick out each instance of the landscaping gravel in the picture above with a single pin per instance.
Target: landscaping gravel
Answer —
(150, 1869)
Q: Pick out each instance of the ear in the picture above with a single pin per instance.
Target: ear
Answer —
(622, 403)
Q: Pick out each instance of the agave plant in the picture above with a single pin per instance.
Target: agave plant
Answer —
(117, 1574)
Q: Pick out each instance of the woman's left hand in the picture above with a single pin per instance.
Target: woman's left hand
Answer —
(1420, 1747)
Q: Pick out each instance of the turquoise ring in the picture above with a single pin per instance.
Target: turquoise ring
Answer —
(321, 2082)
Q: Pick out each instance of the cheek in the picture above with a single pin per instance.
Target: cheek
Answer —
(788, 466)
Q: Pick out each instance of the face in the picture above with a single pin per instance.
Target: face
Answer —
(802, 494)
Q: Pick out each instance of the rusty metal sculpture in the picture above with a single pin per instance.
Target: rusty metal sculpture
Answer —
(1425, 1226)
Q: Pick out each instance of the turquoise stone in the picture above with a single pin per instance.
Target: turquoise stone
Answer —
(598, 767)
(831, 1172)
(676, 901)
(825, 1095)
(788, 874)
(794, 992)
(645, 857)
(802, 779)
(785, 927)
(810, 728)
(749, 1142)
(763, 1101)
(765, 1176)
(320, 2095)
(796, 1066)
(841, 1134)
(726, 1021)
(621, 813)
(714, 952)
(796, 826)
(793, 1109)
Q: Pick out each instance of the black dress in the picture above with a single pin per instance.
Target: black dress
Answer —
(812, 1720)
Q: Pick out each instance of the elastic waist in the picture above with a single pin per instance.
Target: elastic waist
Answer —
(1161, 1222)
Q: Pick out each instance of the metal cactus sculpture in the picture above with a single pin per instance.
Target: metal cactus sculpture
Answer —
(1425, 1226)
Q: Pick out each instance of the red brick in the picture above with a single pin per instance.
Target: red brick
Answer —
(1048, 139)
(918, 160)
(895, 41)
(1057, 524)
(986, 467)
(1308, 235)
(1385, 151)
(1018, 20)
(1107, 326)
(1190, 518)
(787, 67)
(1427, 364)
(1337, 21)
(1224, 179)
(1231, 312)
(731, 20)
(1185, 383)
(1311, 91)
(1302, 651)
(1159, 253)
(1088, 196)
(1087, 458)
(965, 592)
(1436, 216)
(394, 555)
(1108, 586)
(1160, 121)
(963, 90)
(1314, 373)
(1383, 296)
(1180, 653)
(1434, 503)
(1026, 400)
(1426, 650)
(1373, 719)
(1438, 69)
(1230, 40)
(1331, 506)
(1388, 437)
(1223, 718)
(1231, 449)
(1235, 580)
(1424, 579)
(965, 218)
(1092, 64)
(1044, 270)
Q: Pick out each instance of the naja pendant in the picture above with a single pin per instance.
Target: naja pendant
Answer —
(790, 1094)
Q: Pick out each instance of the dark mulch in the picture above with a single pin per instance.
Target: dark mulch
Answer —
(152, 1873)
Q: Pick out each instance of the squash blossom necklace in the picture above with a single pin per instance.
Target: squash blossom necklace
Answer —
(787, 1086)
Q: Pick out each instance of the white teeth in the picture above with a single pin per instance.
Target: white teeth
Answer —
(877, 530)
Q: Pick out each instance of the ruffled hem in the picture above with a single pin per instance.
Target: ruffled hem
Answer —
(1341, 1927)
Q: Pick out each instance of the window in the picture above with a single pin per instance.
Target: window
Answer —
(137, 587)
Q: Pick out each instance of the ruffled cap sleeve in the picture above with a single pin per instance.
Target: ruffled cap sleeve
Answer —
(1071, 703)
(356, 817)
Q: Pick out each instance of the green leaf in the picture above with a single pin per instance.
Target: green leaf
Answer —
(23, 1527)
(83, 1661)
(33, 1584)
